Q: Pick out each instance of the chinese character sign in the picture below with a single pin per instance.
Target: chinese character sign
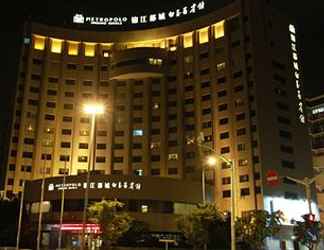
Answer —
(142, 19)
(294, 53)
(125, 185)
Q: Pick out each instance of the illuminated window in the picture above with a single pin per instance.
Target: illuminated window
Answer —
(219, 29)
(172, 44)
(89, 49)
(144, 208)
(138, 132)
(26, 40)
(56, 46)
(73, 48)
(187, 40)
(188, 59)
(155, 61)
(147, 44)
(39, 42)
(203, 35)
(292, 38)
(173, 157)
(220, 66)
(105, 53)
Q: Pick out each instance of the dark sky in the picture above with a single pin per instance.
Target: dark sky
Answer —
(309, 18)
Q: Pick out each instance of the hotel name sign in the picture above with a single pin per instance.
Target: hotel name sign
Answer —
(96, 185)
(141, 19)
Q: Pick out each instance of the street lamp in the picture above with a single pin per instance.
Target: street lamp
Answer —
(62, 203)
(167, 241)
(20, 215)
(40, 207)
(212, 161)
(307, 182)
(93, 109)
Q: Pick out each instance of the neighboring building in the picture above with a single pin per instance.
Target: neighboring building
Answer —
(232, 74)
(315, 117)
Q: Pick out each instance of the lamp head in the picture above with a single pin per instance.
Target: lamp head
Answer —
(93, 108)
(211, 161)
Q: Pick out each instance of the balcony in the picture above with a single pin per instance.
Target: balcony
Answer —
(137, 63)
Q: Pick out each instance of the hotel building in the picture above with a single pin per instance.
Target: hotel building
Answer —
(232, 75)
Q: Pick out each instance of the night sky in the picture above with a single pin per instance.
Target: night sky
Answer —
(310, 23)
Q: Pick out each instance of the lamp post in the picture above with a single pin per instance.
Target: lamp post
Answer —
(40, 215)
(20, 214)
(93, 110)
(212, 161)
(306, 182)
(62, 204)
(167, 241)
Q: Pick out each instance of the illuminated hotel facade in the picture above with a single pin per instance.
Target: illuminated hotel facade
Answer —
(232, 74)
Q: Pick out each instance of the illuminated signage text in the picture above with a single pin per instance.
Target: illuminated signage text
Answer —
(292, 34)
(142, 19)
(125, 185)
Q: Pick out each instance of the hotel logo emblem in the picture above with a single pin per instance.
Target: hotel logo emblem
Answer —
(78, 18)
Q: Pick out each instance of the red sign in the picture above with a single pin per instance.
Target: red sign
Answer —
(272, 178)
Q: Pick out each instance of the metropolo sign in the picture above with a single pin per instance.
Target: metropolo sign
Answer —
(95, 185)
(142, 19)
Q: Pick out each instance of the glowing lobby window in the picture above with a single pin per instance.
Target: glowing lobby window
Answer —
(39, 42)
(203, 35)
(187, 40)
(73, 48)
(219, 29)
(89, 49)
(155, 61)
(56, 46)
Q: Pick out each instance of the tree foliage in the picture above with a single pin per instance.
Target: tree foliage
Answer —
(199, 226)
(307, 232)
(113, 222)
(255, 227)
(137, 230)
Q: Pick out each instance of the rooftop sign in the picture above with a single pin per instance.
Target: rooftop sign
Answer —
(150, 18)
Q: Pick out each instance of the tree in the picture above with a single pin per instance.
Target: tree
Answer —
(255, 227)
(113, 222)
(199, 227)
(308, 231)
(136, 234)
